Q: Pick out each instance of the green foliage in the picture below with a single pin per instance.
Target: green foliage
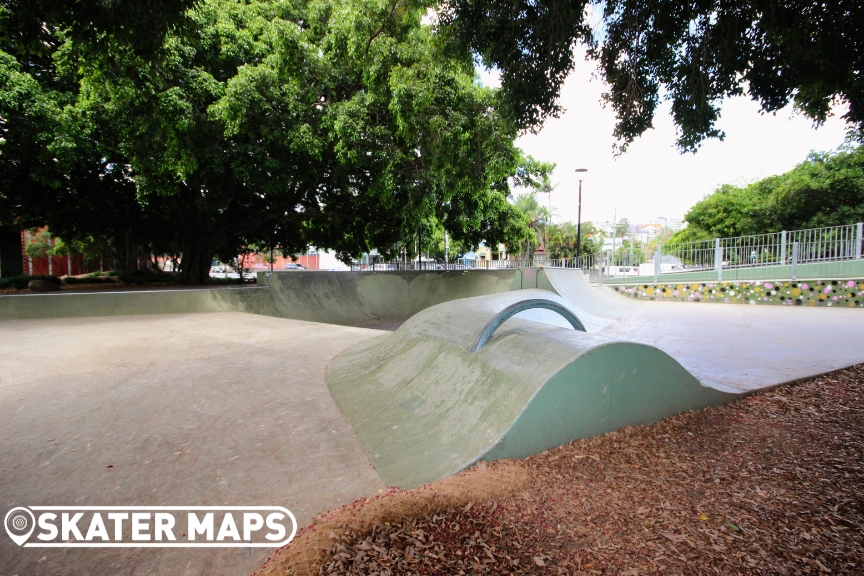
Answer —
(146, 276)
(693, 54)
(558, 240)
(535, 216)
(40, 245)
(827, 189)
(20, 282)
(530, 42)
(337, 124)
(723, 213)
(631, 253)
(561, 240)
(33, 28)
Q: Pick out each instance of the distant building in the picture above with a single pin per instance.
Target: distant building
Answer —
(607, 227)
(674, 224)
(647, 232)
(485, 253)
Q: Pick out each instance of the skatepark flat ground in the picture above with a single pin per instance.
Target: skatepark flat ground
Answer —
(734, 347)
(746, 347)
(226, 403)
(180, 409)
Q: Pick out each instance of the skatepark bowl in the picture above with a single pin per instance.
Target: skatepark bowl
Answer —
(316, 388)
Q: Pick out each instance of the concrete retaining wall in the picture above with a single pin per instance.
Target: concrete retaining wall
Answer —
(828, 293)
(347, 298)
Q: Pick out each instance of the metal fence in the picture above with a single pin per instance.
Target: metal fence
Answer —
(394, 266)
(830, 244)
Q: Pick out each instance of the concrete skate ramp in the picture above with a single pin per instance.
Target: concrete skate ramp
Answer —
(597, 306)
(424, 407)
(364, 298)
(347, 298)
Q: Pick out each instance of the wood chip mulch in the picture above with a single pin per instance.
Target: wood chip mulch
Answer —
(770, 484)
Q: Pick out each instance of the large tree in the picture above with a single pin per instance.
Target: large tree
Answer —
(827, 189)
(339, 124)
(692, 52)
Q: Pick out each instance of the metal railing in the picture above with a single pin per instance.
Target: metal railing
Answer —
(787, 248)
(830, 244)
(414, 265)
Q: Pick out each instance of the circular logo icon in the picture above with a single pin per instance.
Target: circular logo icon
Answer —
(19, 523)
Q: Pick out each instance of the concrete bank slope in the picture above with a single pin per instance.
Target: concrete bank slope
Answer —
(346, 298)
(363, 298)
(425, 407)
(597, 301)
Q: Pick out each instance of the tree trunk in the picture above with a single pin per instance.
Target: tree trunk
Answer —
(195, 263)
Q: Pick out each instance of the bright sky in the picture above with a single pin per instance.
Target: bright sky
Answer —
(652, 179)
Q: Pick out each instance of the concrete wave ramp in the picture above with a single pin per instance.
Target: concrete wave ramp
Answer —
(424, 406)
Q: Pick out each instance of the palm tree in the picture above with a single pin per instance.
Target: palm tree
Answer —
(537, 215)
(546, 187)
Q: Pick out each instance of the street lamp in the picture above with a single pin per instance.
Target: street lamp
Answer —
(580, 173)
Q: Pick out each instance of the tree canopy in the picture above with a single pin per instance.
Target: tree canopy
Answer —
(693, 53)
(557, 240)
(827, 189)
(337, 124)
(33, 29)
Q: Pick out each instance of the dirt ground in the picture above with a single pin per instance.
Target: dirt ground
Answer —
(770, 484)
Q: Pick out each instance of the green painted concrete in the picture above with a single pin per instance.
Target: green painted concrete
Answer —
(424, 407)
(104, 303)
(346, 298)
(370, 299)
(607, 387)
(817, 270)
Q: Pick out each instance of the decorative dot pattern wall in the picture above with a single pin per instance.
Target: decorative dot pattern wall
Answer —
(846, 293)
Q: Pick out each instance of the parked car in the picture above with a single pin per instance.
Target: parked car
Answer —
(293, 266)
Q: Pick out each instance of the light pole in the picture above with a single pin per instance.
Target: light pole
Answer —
(580, 173)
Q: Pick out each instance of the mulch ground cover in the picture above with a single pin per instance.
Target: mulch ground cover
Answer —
(770, 484)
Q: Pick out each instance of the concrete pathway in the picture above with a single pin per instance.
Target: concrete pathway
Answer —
(185, 409)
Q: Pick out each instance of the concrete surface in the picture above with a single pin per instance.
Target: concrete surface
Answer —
(739, 347)
(425, 407)
(225, 407)
(105, 302)
(189, 409)
(368, 299)
(748, 347)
